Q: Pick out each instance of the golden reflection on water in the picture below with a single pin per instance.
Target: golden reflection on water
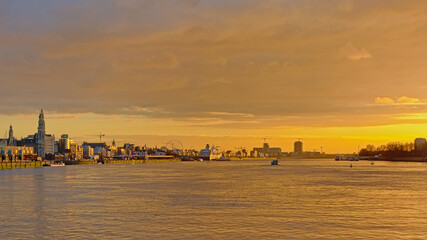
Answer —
(302, 199)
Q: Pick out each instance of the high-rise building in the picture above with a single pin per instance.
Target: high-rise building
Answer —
(40, 136)
(49, 144)
(298, 147)
(56, 147)
(64, 143)
(11, 141)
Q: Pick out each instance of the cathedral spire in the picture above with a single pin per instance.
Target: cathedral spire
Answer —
(41, 128)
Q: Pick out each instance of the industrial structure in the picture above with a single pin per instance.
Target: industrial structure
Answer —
(298, 149)
(266, 151)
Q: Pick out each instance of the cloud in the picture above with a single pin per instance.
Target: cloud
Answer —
(219, 122)
(248, 115)
(182, 59)
(352, 53)
(408, 100)
(404, 100)
(384, 100)
(413, 116)
(136, 110)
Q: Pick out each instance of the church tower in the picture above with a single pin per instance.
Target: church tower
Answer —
(41, 133)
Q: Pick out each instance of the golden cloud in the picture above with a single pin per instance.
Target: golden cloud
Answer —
(403, 100)
(384, 100)
(408, 100)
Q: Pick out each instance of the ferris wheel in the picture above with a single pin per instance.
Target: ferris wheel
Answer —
(174, 144)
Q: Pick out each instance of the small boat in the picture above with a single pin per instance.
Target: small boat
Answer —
(275, 162)
(223, 159)
(61, 164)
(349, 158)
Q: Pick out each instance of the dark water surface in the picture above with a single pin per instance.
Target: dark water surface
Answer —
(299, 199)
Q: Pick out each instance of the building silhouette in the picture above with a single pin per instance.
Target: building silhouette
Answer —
(420, 144)
(11, 141)
(298, 147)
(266, 151)
(40, 135)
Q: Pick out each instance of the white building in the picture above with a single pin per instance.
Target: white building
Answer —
(49, 144)
(87, 151)
(76, 151)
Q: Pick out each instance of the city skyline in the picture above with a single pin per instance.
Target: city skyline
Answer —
(161, 141)
(340, 74)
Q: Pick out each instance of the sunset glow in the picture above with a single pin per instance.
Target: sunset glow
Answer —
(340, 74)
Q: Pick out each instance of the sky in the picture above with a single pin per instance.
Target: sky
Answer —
(340, 74)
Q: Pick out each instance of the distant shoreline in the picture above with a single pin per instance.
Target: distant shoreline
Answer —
(37, 164)
(399, 159)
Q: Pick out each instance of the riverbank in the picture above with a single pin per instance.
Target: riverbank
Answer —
(399, 159)
(34, 164)
(114, 161)
(23, 164)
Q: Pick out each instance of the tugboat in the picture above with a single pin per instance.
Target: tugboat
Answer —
(275, 162)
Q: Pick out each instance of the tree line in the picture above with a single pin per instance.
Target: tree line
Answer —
(395, 149)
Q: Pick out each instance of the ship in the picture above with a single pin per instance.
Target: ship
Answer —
(210, 153)
(349, 158)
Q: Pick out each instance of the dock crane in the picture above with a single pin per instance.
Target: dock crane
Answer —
(100, 136)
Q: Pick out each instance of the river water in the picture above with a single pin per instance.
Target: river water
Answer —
(299, 199)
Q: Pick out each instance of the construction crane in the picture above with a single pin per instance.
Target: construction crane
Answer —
(100, 136)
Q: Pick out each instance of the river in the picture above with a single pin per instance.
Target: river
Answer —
(299, 199)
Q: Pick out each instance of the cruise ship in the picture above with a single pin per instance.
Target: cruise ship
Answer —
(210, 153)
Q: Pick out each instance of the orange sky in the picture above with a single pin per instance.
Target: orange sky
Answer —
(337, 73)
